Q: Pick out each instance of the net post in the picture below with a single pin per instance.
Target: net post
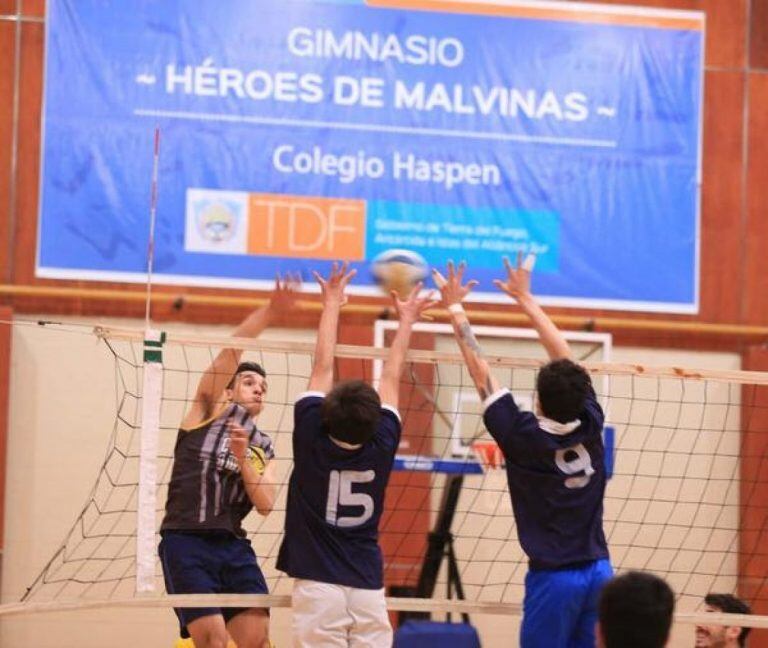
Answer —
(152, 391)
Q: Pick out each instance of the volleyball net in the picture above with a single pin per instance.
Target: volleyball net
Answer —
(687, 495)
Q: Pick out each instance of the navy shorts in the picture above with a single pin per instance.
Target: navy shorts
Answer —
(208, 563)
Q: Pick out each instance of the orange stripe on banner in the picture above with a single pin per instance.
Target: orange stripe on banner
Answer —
(308, 227)
(544, 13)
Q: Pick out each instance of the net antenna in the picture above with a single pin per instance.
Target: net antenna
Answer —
(152, 221)
(151, 403)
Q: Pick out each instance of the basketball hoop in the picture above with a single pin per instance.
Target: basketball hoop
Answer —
(488, 454)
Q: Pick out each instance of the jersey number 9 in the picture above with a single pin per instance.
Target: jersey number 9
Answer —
(575, 460)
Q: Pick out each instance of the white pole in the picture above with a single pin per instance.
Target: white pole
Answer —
(151, 397)
(152, 393)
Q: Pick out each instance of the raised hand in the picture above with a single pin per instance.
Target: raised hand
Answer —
(285, 293)
(412, 307)
(238, 440)
(451, 289)
(518, 283)
(333, 287)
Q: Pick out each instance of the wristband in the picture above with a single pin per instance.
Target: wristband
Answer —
(456, 308)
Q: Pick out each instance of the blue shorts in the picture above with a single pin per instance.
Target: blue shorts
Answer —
(208, 563)
(560, 606)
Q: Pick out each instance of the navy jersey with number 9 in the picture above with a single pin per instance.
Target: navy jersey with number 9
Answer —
(556, 477)
(335, 500)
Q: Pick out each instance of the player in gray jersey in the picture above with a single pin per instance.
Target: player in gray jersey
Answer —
(222, 470)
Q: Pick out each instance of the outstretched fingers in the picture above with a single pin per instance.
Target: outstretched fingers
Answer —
(415, 304)
(319, 279)
(452, 290)
(502, 286)
(508, 265)
(289, 281)
(460, 271)
(338, 276)
(428, 301)
(410, 299)
(415, 290)
(529, 262)
(438, 278)
(346, 278)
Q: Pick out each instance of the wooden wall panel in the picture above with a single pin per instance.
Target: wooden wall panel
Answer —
(32, 36)
(7, 55)
(7, 7)
(726, 32)
(721, 209)
(755, 287)
(758, 40)
(33, 7)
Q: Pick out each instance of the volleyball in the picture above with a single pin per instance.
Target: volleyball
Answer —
(398, 271)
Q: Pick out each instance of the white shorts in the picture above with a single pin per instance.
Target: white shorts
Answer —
(326, 616)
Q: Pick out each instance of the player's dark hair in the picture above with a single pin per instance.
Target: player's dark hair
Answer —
(635, 611)
(562, 386)
(730, 604)
(351, 411)
(246, 366)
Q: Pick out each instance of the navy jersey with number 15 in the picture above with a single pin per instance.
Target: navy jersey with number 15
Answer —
(335, 500)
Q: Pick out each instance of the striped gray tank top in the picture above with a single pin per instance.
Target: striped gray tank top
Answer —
(206, 491)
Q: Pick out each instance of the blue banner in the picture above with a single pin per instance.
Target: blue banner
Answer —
(296, 132)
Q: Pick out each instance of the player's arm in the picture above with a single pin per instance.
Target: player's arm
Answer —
(453, 292)
(258, 476)
(518, 286)
(409, 311)
(332, 290)
(219, 373)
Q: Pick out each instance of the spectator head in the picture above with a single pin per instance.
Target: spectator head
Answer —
(723, 636)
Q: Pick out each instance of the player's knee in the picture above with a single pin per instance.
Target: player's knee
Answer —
(208, 635)
(212, 640)
(256, 637)
(219, 640)
(256, 640)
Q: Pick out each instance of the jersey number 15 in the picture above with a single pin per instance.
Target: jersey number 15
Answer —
(340, 494)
